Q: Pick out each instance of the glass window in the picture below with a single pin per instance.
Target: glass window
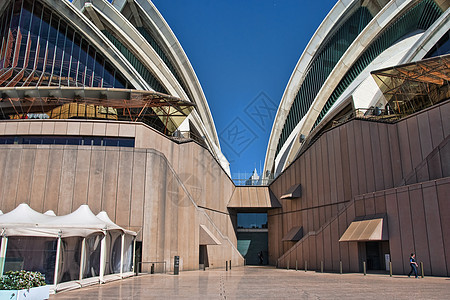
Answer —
(252, 220)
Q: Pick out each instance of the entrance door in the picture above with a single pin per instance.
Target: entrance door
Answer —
(375, 255)
(203, 257)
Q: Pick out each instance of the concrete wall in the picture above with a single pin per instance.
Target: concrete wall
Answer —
(354, 159)
(161, 189)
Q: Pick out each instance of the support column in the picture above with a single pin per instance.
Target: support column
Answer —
(83, 257)
(134, 256)
(102, 258)
(58, 256)
(3, 254)
(121, 254)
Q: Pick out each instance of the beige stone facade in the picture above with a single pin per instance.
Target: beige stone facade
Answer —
(161, 189)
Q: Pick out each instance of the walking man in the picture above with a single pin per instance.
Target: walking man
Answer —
(413, 264)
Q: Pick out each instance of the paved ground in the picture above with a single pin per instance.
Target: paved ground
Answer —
(265, 283)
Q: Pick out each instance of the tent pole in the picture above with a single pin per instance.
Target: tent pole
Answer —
(83, 257)
(58, 255)
(102, 257)
(134, 269)
(3, 254)
(121, 255)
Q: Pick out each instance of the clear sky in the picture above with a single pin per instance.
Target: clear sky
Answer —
(244, 52)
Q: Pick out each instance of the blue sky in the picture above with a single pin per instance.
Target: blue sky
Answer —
(244, 52)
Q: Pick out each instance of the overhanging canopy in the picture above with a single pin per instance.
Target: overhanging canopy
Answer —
(369, 228)
(207, 237)
(294, 191)
(295, 234)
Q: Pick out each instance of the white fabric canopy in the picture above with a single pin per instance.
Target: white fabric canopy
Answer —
(24, 221)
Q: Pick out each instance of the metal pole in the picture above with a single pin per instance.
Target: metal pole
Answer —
(421, 268)
(230, 264)
(226, 265)
(135, 267)
(83, 257)
(122, 248)
(58, 254)
(102, 258)
(340, 266)
(3, 254)
(390, 268)
(306, 266)
(364, 267)
(321, 266)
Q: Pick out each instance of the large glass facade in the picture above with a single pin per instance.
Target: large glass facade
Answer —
(39, 48)
(420, 16)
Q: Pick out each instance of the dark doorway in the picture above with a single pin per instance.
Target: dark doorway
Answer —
(138, 257)
(375, 253)
(203, 257)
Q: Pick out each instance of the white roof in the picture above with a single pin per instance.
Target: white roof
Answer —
(24, 221)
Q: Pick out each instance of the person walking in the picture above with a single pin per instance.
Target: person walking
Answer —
(413, 264)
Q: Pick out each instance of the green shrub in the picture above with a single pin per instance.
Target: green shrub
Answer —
(19, 280)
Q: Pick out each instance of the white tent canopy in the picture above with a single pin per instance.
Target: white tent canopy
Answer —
(24, 221)
(73, 248)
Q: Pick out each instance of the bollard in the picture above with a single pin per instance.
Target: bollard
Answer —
(340, 266)
(390, 268)
(306, 265)
(152, 269)
(176, 265)
(364, 267)
(226, 265)
(296, 265)
(321, 266)
(230, 264)
(288, 265)
(421, 268)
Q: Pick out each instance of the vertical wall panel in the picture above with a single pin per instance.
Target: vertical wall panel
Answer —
(395, 239)
(404, 146)
(437, 134)
(110, 182)
(53, 179)
(3, 176)
(11, 178)
(368, 156)
(342, 222)
(352, 161)
(443, 190)
(404, 214)
(385, 151)
(68, 172)
(25, 176)
(80, 193)
(377, 157)
(96, 173)
(419, 226)
(434, 229)
(414, 141)
(138, 187)
(426, 142)
(39, 179)
(124, 184)
(445, 112)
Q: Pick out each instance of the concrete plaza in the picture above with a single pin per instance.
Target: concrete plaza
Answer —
(265, 283)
